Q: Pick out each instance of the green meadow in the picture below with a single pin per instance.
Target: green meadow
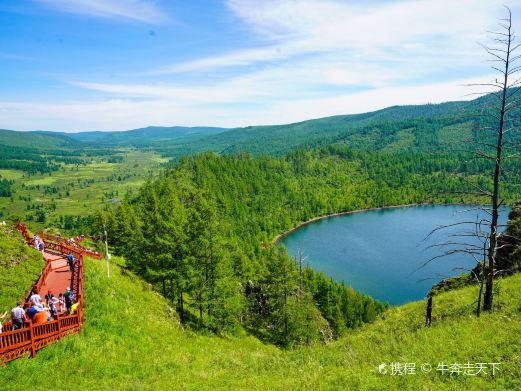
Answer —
(77, 188)
(11, 174)
(132, 340)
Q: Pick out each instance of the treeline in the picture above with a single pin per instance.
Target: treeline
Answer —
(31, 167)
(25, 159)
(5, 188)
(415, 128)
(45, 161)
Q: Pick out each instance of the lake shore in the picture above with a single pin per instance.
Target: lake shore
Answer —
(347, 212)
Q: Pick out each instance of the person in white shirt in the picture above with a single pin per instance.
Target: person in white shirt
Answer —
(37, 300)
(18, 316)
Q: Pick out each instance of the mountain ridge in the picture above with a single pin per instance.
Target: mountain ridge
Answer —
(406, 127)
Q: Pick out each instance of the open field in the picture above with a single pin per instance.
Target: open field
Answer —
(77, 188)
(11, 174)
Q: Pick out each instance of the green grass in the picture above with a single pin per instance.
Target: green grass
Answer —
(11, 174)
(20, 267)
(41, 181)
(132, 340)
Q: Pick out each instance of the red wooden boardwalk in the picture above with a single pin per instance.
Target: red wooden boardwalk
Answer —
(59, 277)
(55, 277)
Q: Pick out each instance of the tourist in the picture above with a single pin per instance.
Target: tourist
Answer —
(61, 302)
(69, 297)
(42, 316)
(74, 308)
(18, 316)
(53, 301)
(31, 311)
(36, 299)
(48, 297)
(36, 242)
(70, 261)
(41, 247)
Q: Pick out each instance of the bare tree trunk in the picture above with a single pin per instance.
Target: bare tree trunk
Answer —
(200, 312)
(181, 306)
(428, 317)
(487, 303)
(480, 294)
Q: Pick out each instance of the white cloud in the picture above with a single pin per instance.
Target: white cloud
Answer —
(327, 24)
(232, 91)
(357, 43)
(375, 99)
(394, 31)
(137, 10)
(238, 58)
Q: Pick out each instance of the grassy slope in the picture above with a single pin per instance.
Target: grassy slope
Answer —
(20, 267)
(132, 340)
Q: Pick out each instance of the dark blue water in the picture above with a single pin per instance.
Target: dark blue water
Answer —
(381, 252)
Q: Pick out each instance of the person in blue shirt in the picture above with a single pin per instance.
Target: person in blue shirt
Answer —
(31, 311)
(70, 261)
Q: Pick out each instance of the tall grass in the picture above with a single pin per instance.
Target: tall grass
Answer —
(20, 267)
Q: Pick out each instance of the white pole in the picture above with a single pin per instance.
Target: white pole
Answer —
(107, 254)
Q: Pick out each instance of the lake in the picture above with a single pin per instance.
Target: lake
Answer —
(381, 252)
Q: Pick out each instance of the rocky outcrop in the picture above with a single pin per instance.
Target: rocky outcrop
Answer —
(508, 256)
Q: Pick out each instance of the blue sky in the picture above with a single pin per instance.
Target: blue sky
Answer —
(74, 65)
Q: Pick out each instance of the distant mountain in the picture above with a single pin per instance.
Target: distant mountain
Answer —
(35, 140)
(149, 136)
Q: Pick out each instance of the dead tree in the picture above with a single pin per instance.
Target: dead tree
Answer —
(428, 315)
(496, 140)
(503, 53)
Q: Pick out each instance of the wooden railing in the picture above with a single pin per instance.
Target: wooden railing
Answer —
(33, 337)
(61, 248)
(23, 230)
(73, 247)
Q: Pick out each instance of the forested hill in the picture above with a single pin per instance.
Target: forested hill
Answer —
(415, 128)
(405, 128)
(398, 127)
(35, 140)
(149, 136)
